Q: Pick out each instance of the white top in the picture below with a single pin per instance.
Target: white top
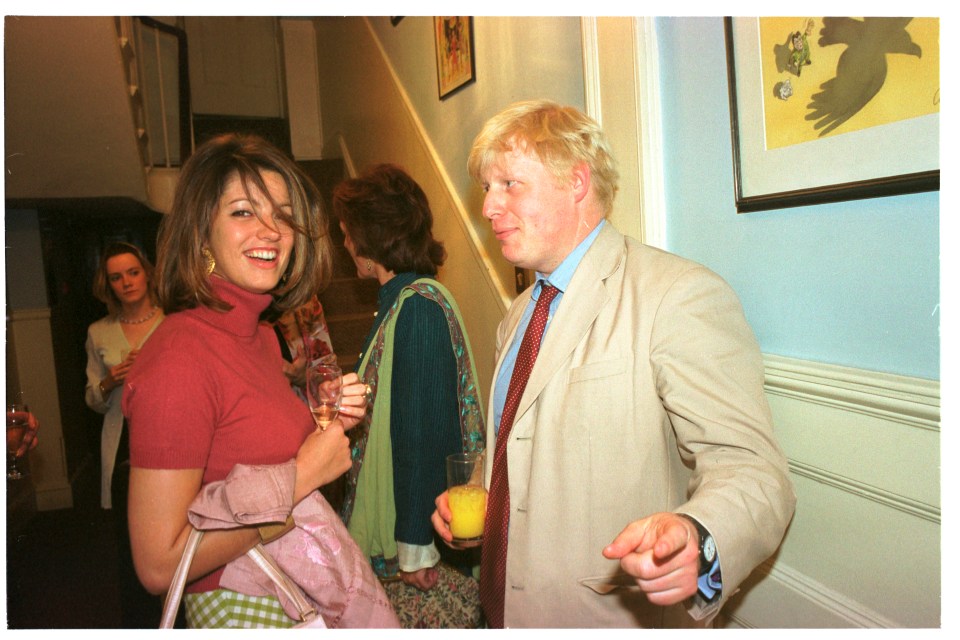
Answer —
(106, 345)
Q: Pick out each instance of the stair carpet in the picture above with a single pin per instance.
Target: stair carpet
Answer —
(349, 303)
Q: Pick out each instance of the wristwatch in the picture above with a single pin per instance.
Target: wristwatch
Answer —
(708, 547)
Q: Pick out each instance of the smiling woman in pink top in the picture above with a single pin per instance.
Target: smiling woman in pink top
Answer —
(246, 236)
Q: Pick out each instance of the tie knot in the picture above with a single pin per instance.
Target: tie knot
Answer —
(547, 293)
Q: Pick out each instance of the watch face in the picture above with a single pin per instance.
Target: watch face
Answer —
(709, 549)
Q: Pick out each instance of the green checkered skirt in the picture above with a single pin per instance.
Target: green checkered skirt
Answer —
(223, 609)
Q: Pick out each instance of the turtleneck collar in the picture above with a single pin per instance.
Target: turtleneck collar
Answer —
(244, 318)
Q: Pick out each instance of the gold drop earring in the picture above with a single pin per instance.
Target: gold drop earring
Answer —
(211, 261)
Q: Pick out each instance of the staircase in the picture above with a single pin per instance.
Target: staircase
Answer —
(349, 303)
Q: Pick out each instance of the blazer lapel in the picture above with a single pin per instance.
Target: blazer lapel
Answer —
(578, 309)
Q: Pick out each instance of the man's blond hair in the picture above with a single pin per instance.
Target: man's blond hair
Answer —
(561, 137)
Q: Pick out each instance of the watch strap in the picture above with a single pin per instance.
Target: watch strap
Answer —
(709, 584)
(702, 533)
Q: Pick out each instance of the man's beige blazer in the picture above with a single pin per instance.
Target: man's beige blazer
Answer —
(647, 396)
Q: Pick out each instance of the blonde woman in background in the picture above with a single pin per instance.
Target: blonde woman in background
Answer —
(124, 282)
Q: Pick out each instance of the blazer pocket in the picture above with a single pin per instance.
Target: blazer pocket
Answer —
(596, 370)
(604, 585)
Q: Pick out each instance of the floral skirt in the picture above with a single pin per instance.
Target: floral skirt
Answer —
(453, 603)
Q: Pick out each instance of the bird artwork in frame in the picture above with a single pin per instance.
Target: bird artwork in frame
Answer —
(808, 94)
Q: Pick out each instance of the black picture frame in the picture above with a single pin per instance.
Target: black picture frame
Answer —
(892, 183)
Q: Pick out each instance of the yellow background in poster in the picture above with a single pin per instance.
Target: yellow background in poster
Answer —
(911, 89)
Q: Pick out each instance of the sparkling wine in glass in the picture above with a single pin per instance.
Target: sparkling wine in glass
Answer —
(324, 382)
(17, 425)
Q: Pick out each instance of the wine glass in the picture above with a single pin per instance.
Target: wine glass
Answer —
(324, 383)
(17, 425)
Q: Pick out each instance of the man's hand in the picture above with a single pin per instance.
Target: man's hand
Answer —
(441, 518)
(662, 552)
(441, 524)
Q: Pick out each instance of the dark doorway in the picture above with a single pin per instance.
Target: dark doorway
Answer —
(73, 233)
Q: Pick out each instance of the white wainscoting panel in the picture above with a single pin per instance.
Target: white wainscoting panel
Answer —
(863, 549)
(31, 339)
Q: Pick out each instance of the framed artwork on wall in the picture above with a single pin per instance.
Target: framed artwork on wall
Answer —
(455, 62)
(832, 109)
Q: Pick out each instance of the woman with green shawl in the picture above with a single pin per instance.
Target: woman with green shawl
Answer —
(424, 401)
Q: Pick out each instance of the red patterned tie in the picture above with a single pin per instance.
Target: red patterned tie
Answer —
(493, 560)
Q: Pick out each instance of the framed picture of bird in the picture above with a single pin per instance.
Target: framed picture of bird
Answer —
(826, 109)
(456, 67)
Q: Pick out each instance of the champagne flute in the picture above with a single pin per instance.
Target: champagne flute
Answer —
(17, 425)
(324, 382)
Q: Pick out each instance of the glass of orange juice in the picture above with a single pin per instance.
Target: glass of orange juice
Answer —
(466, 496)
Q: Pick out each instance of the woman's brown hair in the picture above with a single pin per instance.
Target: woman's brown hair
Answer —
(388, 217)
(182, 280)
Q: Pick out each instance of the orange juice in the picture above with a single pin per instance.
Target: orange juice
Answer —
(468, 504)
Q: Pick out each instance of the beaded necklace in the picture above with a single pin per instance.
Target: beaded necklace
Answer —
(153, 312)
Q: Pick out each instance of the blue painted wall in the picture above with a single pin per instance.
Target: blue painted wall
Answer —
(853, 283)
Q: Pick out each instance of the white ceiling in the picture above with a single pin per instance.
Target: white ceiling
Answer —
(68, 123)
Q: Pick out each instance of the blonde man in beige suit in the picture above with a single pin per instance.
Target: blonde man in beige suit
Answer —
(640, 477)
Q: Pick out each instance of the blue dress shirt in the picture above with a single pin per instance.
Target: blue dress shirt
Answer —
(560, 278)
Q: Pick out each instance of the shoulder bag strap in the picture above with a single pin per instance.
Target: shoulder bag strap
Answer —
(288, 587)
(175, 594)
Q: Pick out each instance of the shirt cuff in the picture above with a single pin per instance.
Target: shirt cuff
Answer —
(710, 584)
(413, 557)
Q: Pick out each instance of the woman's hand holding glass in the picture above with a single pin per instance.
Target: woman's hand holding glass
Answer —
(325, 454)
(353, 401)
(30, 439)
(322, 458)
(324, 392)
(22, 428)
